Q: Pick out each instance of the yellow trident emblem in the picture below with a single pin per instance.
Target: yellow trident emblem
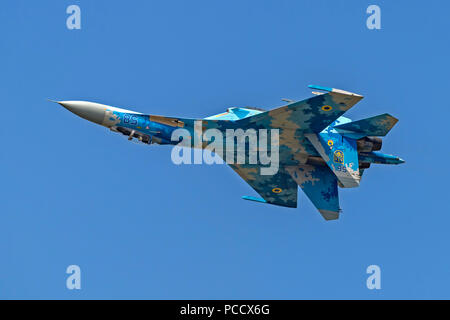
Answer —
(338, 157)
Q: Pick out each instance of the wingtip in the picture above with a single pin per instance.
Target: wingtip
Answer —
(315, 87)
(254, 199)
(334, 90)
(329, 215)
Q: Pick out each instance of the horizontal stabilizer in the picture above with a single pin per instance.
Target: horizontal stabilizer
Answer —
(375, 126)
(320, 186)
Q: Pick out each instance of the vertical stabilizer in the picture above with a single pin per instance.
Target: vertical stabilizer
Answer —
(341, 155)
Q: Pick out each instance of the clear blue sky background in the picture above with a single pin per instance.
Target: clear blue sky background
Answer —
(141, 227)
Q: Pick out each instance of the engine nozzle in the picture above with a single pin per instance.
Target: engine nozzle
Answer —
(368, 144)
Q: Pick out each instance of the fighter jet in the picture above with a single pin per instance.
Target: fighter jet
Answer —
(318, 149)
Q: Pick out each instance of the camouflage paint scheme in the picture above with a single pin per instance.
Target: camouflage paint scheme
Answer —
(318, 147)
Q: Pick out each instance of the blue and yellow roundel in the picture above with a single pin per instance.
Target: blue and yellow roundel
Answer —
(338, 157)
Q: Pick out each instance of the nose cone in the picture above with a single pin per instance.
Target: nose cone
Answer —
(91, 111)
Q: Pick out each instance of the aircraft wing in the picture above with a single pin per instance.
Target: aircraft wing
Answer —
(310, 115)
(279, 189)
(317, 182)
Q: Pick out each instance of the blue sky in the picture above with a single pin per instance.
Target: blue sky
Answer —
(140, 226)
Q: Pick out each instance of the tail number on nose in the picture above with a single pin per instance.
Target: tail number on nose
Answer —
(130, 119)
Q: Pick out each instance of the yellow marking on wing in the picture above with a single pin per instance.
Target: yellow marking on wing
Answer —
(276, 190)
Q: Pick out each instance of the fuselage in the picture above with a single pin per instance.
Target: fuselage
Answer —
(142, 127)
(306, 144)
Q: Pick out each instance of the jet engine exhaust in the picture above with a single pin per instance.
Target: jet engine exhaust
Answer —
(368, 144)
